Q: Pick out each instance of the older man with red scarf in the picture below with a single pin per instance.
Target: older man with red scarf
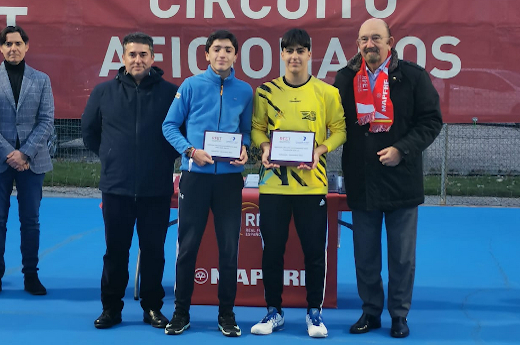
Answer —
(392, 115)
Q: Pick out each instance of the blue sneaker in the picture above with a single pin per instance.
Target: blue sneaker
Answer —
(273, 321)
(315, 326)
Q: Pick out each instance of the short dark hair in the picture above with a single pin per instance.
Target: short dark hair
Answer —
(138, 37)
(296, 37)
(222, 35)
(10, 29)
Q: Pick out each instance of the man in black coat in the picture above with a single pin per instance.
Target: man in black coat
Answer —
(122, 123)
(392, 115)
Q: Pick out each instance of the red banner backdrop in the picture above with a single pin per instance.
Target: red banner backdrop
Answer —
(468, 46)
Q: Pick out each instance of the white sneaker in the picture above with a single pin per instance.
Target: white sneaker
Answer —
(315, 326)
(273, 321)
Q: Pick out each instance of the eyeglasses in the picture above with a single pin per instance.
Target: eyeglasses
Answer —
(375, 38)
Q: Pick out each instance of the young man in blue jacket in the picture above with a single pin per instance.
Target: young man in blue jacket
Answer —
(122, 124)
(212, 101)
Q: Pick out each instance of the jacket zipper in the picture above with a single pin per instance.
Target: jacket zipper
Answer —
(136, 138)
(220, 111)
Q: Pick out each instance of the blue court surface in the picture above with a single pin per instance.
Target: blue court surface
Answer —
(467, 287)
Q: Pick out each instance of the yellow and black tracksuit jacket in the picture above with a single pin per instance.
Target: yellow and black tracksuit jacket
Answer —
(314, 107)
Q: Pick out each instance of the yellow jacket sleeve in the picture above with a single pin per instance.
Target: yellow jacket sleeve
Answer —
(335, 119)
(259, 128)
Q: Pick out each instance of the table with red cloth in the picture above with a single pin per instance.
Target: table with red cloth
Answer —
(250, 289)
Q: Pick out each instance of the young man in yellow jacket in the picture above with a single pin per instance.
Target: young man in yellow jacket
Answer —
(295, 102)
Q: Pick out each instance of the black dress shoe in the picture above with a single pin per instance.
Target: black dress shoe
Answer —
(155, 318)
(399, 327)
(33, 285)
(108, 319)
(365, 323)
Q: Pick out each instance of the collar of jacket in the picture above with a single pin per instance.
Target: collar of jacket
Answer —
(154, 76)
(211, 75)
(355, 62)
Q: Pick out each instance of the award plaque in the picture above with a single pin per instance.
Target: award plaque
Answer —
(291, 147)
(223, 146)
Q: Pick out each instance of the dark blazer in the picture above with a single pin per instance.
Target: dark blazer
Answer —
(417, 122)
(32, 121)
(122, 123)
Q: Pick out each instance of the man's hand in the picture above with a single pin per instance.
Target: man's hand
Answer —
(390, 156)
(201, 158)
(243, 157)
(17, 160)
(24, 167)
(266, 150)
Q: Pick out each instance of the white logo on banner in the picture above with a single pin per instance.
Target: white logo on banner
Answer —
(201, 276)
(290, 277)
(11, 13)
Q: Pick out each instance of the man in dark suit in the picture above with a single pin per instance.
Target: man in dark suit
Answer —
(26, 122)
(392, 115)
(122, 123)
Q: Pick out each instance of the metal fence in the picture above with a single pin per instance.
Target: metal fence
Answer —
(487, 154)
(470, 161)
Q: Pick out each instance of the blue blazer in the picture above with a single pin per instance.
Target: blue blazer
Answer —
(32, 121)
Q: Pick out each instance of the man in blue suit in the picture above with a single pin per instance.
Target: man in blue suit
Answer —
(26, 122)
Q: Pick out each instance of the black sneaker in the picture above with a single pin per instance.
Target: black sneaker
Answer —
(33, 285)
(228, 325)
(179, 323)
(107, 319)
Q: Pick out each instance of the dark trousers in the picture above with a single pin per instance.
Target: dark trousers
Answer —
(150, 215)
(29, 189)
(401, 233)
(310, 218)
(198, 193)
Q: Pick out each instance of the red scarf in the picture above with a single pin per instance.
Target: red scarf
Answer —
(373, 107)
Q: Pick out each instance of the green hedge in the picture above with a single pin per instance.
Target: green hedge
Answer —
(85, 174)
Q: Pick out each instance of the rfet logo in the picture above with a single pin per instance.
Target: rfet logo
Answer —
(201, 276)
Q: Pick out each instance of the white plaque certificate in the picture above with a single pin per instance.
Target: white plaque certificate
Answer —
(223, 146)
(291, 147)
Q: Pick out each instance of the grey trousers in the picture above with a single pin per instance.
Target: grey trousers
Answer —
(401, 232)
